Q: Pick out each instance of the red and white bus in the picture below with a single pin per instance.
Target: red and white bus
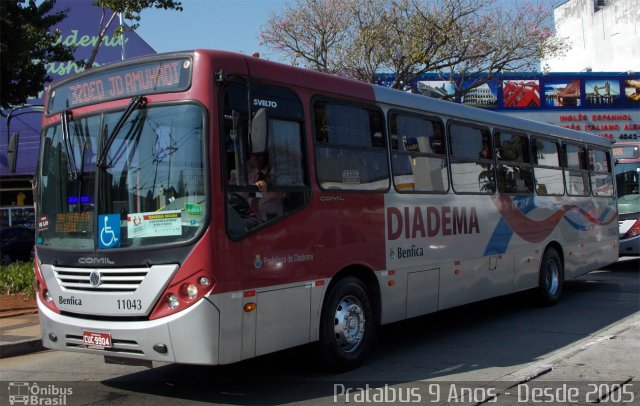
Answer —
(207, 207)
(626, 157)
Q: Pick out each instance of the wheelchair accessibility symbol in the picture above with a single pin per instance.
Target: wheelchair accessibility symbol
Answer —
(109, 231)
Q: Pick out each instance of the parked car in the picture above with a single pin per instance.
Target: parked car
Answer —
(16, 244)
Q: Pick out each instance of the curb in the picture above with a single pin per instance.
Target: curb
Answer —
(17, 312)
(21, 347)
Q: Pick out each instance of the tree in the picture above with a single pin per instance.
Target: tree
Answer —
(311, 34)
(131, 10)
(471, 39)
(363, 57)
(494, 41)
(26, 46)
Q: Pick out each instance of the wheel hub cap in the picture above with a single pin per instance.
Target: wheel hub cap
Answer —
(349, 323)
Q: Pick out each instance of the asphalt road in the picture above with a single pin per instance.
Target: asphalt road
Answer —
(590, 341)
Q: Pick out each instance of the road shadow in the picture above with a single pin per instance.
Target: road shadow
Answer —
(481, 340)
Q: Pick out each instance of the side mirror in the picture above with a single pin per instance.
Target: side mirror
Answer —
(12, 151)
(259, 132)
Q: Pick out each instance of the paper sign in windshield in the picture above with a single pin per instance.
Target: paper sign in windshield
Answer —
(154, 224)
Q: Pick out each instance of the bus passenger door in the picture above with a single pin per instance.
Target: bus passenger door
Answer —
(266, 190)
(279, 256)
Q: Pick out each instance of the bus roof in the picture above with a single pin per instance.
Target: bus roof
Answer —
(339, 86)
(394, 97)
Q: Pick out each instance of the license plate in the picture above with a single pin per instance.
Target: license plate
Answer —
(92, 339)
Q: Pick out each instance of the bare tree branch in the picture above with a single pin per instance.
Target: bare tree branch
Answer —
(471, 39)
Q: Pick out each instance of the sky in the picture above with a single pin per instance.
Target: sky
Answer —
(230, 25)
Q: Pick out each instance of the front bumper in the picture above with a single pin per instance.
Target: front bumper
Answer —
(190, 336)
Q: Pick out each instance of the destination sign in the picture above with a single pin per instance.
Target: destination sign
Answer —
(127, 81)
(626, 151)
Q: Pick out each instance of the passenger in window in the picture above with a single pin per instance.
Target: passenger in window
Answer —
(485, 153)
(376, 125)
(266, 205)
(377, 140)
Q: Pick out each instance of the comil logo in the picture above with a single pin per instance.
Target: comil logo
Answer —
(26, 393)
(95, 261)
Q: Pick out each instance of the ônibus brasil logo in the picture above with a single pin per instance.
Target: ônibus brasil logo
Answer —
(28, 393)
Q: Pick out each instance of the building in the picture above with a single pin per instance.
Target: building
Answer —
(604, 36)
(79, 29)
(594, 87)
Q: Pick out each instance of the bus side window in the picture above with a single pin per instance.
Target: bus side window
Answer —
(547, 169)
(576, 173)
(285, 150)
(288, 163)
(418, 155)
(350, 147)
(263, 187)
(514, 166)
(472, 167)
(600, 170)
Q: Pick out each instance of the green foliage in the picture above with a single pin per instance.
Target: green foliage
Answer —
(132, 8)
(17, 277)
(26, 46)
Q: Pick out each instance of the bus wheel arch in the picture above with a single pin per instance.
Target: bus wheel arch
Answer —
(349, 318)
(551, 275)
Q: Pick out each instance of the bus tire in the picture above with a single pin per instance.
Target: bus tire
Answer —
(347, 326)
(551, 278)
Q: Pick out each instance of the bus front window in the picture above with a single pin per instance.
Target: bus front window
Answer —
(149, 189)
(628, 185)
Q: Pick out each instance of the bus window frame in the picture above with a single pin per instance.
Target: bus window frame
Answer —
(479, 161)
(246, 85)
(583, 170)
(427, 117)
(556, 141)
(206, 173)
(610, 172)
(529, 163)
(368, 106)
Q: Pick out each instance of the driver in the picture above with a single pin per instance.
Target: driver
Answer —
(266, 205)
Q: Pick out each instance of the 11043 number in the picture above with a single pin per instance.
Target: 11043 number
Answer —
(129, 304)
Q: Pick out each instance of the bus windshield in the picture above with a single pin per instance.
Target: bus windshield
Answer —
(628, 184)
(149, 189)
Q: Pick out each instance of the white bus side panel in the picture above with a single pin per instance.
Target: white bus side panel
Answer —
(465, 248)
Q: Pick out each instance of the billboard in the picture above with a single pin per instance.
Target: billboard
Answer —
(605, 104)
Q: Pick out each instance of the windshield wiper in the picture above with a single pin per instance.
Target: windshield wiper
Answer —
(72, 169)
(135, 103)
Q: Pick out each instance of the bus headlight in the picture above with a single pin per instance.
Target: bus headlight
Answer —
(179, 296)
(172, 301)
(192, 291)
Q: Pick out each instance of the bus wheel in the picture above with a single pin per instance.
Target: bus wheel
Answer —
(347, 328)
(551, 278)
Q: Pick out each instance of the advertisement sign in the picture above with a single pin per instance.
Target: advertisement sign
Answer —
(603, 103)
